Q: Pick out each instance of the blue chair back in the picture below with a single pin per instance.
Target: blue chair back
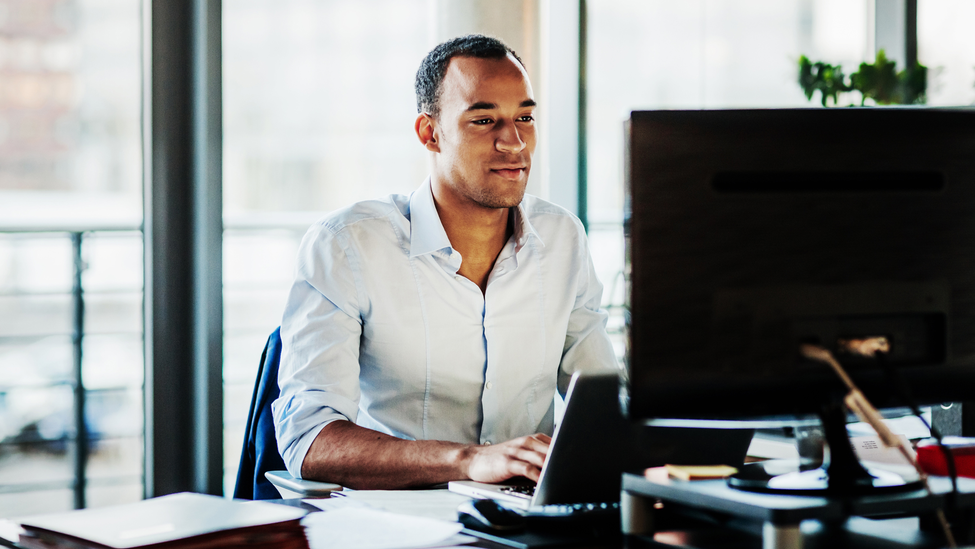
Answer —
(260, 452)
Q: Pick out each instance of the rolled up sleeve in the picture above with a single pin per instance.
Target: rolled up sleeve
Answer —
(320, 333)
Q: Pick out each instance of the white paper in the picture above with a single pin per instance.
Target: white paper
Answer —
(871, 448)
(433, 504)
(10, 530)
(874, 455)
(363, 528)
(765, 448)
(909, 426)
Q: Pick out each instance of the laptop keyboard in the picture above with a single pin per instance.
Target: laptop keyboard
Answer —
(525, 492)
(558, 510)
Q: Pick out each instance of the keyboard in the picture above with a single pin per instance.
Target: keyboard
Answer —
(572, 509)
(561, 510)
(525, 492)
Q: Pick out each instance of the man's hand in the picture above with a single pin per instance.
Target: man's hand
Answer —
(522, 456)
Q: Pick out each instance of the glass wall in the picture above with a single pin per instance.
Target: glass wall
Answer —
(946, 47)
(319, 107)
(718, 54)
(70, 164)
(696, 54)
(318, 113)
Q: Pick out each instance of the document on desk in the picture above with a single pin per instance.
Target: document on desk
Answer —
(176, 520)
(433, 504)
(873, 454)
(358, 527)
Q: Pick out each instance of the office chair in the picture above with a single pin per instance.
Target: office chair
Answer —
(262, 474)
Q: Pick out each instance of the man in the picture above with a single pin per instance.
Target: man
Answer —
(425, 335)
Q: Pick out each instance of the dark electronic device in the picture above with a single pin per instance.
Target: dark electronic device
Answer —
(594, 444)
(750, 232)
(487, 515)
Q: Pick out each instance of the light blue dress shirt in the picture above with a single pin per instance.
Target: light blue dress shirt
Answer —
(379, 328)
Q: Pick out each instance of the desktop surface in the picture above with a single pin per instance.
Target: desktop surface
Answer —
(676, 530)
(680, 530)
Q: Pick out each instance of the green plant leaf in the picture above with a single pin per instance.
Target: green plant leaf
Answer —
(827, 79)
(878, 81)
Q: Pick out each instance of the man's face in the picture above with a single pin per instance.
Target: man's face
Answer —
(485, 133)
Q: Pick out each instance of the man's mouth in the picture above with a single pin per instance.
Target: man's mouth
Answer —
(511, 172)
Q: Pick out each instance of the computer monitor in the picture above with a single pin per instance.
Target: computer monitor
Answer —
(750, 232)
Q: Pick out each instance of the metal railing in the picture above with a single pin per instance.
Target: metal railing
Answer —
(292, 224)
(82, 437)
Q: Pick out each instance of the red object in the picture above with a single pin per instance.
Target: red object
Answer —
(931, 458)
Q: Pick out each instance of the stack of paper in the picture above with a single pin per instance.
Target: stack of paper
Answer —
(178, 521)
(359, 527)
(386, 519)
(434, 504)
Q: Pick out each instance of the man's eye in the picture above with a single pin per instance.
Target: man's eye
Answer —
(483, 121)
(527, 118)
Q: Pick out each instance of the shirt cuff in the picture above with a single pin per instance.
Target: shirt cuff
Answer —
(294, 455)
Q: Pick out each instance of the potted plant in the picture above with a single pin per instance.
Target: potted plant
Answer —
(878, 81)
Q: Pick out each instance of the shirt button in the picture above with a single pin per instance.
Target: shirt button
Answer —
(487, 385)
(487, 442)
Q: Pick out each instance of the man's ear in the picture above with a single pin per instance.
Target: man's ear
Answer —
(426, 131)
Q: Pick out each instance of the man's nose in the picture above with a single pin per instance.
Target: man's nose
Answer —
(509, 139)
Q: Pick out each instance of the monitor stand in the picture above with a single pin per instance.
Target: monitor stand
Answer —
(842, 476)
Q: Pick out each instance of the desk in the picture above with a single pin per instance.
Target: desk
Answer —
(676, 528)
(679, 529)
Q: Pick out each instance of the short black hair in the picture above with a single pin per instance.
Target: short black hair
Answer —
(429, 78)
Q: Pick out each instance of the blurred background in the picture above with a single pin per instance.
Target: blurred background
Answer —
(318, 110)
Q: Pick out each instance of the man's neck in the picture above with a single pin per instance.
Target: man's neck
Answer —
(478, 233)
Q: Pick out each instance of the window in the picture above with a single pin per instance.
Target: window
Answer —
(70, 186)
(319, 109)
(318, 113)
(700, 54)
(946, 48)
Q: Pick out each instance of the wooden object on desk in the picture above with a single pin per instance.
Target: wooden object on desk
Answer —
(184, 521)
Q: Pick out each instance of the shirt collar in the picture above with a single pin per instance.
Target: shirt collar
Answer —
(524, 228)
(427, 234)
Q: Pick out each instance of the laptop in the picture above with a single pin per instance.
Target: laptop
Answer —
(594, 444)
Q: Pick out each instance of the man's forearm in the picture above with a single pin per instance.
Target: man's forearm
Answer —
(361, 458)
